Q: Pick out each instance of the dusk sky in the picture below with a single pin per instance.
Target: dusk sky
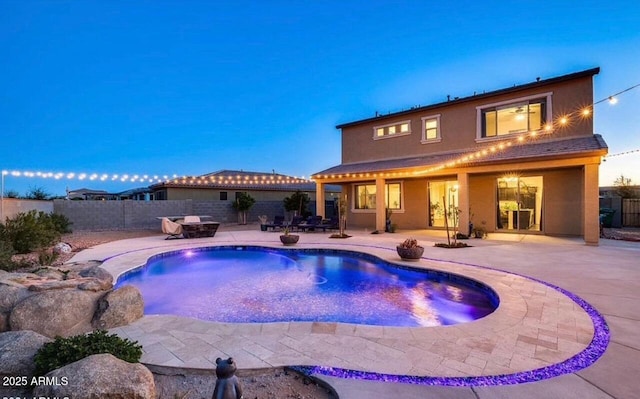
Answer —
(192, 87)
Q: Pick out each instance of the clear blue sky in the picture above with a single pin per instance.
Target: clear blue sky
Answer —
(191, 87)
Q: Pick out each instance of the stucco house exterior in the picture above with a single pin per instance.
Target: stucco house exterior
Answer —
(523, 159)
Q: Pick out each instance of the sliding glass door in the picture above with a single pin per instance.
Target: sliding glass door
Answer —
(519, 205)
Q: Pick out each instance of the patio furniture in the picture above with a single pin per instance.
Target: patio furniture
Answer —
(191, 219)
(172, 229)
(328, 224)
(295, 222)
(310, 224)
(278, 222)
(199, 229)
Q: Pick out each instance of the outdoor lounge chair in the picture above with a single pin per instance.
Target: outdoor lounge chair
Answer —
(330, 224)
(173, 229)
(278, 222)
(311, 223)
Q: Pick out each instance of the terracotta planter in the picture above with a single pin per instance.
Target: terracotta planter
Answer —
(410, 253)
(289, 239)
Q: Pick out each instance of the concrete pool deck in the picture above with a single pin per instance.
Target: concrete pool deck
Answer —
(536, 326)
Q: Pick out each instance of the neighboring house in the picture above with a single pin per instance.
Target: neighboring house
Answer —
(226, 185)
(523, 159)
(140, 194)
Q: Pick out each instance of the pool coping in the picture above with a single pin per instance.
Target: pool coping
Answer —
(538, 331)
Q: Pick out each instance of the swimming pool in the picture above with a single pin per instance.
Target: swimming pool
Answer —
(246, 284)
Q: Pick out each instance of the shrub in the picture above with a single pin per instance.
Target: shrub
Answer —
(63, 351)
(31, 230)
(60, 223)
(6, 252)
(46, 257)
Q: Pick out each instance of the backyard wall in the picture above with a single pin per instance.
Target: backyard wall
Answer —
(12, 206)
(132, 215)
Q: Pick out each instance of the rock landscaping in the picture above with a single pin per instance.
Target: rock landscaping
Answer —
(66, 300)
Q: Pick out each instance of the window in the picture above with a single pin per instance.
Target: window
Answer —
(516, 116)
(431, 129)
(223, 195)
(365, 196)
(392, 130)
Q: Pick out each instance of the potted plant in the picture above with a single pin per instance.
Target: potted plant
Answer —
(410, 250)
(288, 239)
(263, 222)
(242, 204)
(480, 231)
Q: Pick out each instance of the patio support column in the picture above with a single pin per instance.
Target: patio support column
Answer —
(320, 199)
(463, 203)
(591, 220)
(381, 205)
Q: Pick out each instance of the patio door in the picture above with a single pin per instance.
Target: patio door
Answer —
(519, 205)
(443, 195)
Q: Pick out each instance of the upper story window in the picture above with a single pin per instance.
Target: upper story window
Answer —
(431, 129)
(514, 116)
(392, 130)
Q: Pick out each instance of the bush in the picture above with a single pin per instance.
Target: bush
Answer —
(46, 257)
(63, 351)
(29, 231)
(6, 252)
(60, 223)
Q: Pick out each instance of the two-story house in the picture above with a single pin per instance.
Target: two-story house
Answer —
(523, 159)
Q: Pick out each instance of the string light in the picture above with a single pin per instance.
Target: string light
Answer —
(547, 129)
(156, 179)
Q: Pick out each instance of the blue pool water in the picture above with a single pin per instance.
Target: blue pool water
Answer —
(259, 285)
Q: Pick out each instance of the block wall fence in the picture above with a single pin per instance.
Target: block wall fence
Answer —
(132, 215)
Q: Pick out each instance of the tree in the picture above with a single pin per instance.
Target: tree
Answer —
(11, 194)
(624, 188)
(297, 202)
(242, 204)
(37, 193)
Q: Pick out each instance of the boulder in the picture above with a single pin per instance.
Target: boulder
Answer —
(10, 295)
(100, 376)
(118, 308)
(62, 248)
(61, 312)
(4, 321)
(17, 349)
(98, 273)
(51, 273)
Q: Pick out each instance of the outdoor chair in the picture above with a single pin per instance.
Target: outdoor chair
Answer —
(331, 224)
(172, 229)
(278, 222)
(311, 223)
(295, 222)
(192, 219)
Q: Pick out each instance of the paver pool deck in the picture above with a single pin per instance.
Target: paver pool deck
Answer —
(535, 327)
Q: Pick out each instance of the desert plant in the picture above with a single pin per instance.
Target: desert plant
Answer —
(6, 252)
(29, 231)
(60, 223)
(46, 257)
(409, 243)
(63, 351)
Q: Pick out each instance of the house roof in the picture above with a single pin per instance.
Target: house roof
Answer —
(562, 148)
(243, 180)
(537, 83)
